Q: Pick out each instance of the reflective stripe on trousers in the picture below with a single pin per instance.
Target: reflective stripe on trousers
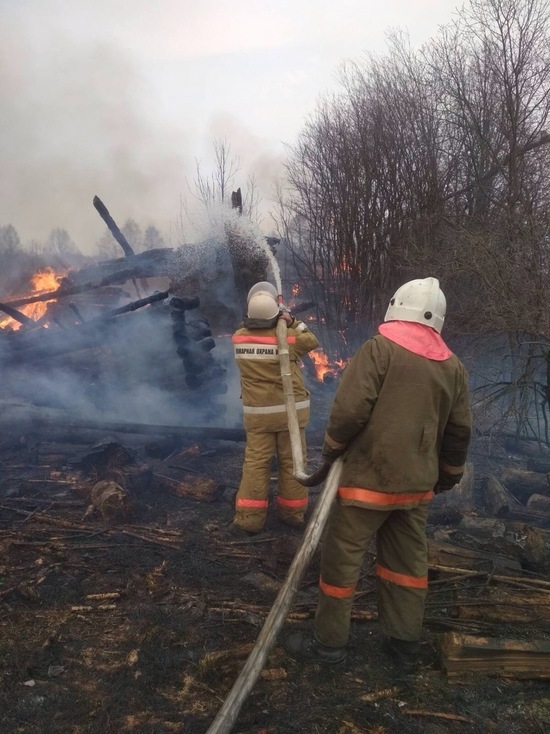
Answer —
(402, 570)
(252, 497)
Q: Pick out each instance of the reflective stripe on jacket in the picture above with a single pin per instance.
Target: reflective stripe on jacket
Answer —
(257, 357)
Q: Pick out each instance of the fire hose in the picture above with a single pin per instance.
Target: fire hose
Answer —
(228, 713)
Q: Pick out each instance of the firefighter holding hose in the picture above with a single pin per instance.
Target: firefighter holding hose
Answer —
(401, 421)
(265, 418)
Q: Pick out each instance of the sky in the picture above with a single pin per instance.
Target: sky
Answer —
(124, 98)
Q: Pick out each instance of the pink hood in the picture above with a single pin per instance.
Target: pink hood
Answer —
(417, 338)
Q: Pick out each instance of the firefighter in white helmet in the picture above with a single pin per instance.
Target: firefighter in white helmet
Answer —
(264, 411)
(401, 419)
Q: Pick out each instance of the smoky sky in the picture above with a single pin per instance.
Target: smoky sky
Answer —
(120, 99)
(80, 117)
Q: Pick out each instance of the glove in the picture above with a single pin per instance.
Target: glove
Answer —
(331, 453)
(445, 483)
(285, 314)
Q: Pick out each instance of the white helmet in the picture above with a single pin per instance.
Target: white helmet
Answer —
(263, 306)
(262, 287)
(421, 301)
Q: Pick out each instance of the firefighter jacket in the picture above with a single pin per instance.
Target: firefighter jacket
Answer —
(402, 413)
(257, 357)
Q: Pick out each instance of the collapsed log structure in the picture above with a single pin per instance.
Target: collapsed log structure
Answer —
(86, 324)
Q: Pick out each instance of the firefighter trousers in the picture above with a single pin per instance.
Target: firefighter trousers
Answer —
(252, 497)
(401, 570)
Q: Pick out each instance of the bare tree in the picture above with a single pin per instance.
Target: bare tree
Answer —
(435, 162)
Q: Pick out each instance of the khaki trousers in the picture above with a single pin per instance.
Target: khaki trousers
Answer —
(252, 497)
(402, 570)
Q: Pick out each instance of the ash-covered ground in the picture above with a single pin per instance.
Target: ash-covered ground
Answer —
(144, 625)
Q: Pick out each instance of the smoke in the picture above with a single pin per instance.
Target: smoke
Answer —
(127, 371)
(127, 368)
(84, 114)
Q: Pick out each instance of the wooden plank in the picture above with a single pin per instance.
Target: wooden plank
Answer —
(502, 604)
(506, 658)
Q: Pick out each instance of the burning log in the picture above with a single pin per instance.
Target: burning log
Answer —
(17, 315)
(155, 298)
(526, 515)
(45, 343)
(65, 291)
(490, 656)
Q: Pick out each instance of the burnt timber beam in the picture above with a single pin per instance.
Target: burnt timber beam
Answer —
(112, 225)
(17, 315)
(184, 432)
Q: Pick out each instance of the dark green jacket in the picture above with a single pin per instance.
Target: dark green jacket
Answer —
(405, 421)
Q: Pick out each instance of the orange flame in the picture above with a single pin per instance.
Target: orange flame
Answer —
(43, 281)
(325, 367)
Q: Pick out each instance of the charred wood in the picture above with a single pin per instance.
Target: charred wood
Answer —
(106, 456)
(111, 501)
(112, 226)
(453, 556)
(522, 483)
(507, 537)
(146, 264)
(45, 343)
(31, 420)
(539, 503)
(17, 315)
(203, 489)
(531, 448)
(490, 656)
(184, 303)
(496, 497)
(540, 465)
(184, 432)
(499, 604)
(66, 290)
